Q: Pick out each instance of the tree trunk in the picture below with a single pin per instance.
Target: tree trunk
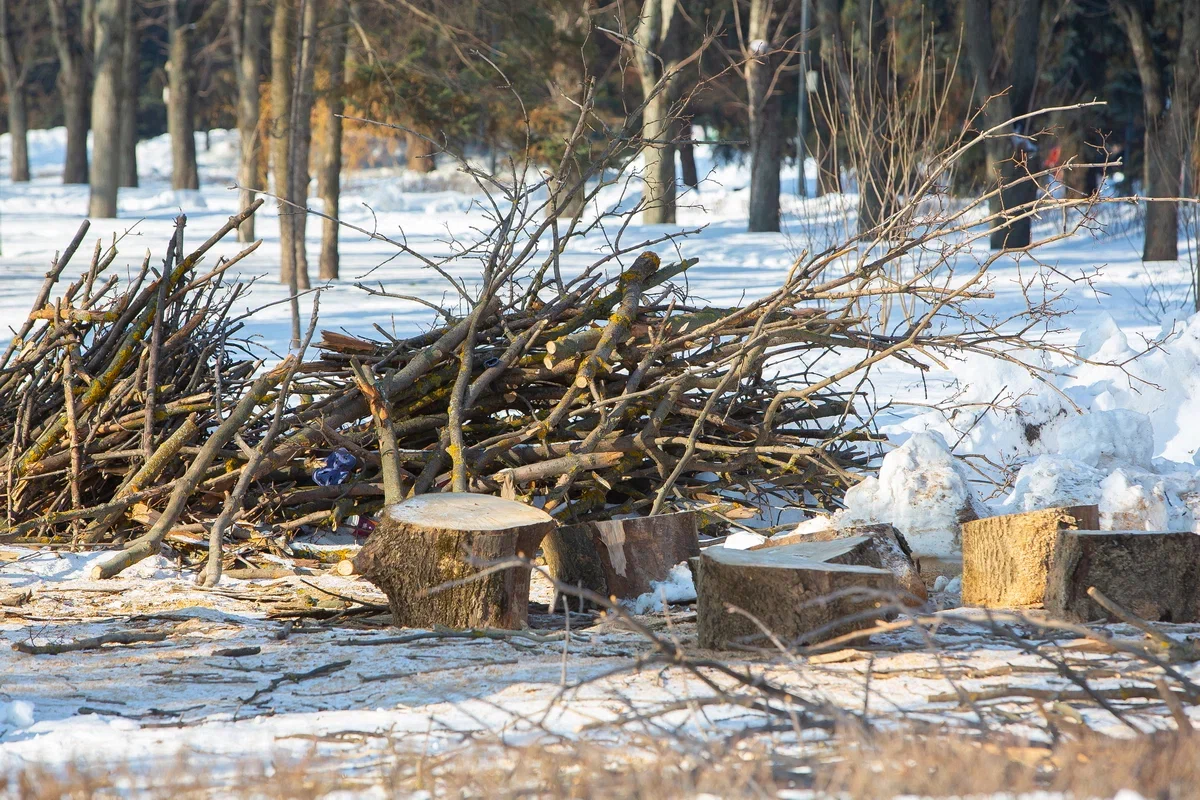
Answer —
(766, 130)
(283, 32)
(878, 186)
(655, 56)
(1010, 94)
(180, 107)
(329, 174)
(300, 140)
(419, 153)
(687, 157)
(436, 539)
(129, 100)
(245, 26)
(73, 41)
(14, 82)
(106, 107)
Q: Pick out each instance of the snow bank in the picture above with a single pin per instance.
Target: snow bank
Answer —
(677, 588)
(923, 491)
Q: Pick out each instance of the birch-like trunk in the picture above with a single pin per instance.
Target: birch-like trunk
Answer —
(106, 107)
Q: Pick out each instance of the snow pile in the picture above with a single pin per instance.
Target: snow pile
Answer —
(743, 540)
(922, 490)
(677, 588)
(19, 714)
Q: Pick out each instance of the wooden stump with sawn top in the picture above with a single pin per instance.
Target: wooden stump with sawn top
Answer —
(887, 550)
(795, 591)
(434, 539)
(1039, 559)
(619, 558)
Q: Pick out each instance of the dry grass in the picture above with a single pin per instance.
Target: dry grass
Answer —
(1165, 766)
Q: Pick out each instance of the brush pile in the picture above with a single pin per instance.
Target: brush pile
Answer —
(132, 410)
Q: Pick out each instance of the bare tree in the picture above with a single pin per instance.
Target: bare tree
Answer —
(1169, 118)
(657, 55)
(1004, 89)
(181, 123)
(72, 28)
(291, 106)
(16, 74)
(329, 172)
(106, 107)
(130, 68)
(419, 153)
(245, 28)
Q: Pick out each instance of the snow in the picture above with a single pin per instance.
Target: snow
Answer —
(743, 540)
(677, 588)
(981, 436)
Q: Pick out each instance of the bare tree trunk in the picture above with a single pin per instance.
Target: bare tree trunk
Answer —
(766, 134)
(106, 107)
(419, 153)
(687, 157)
(282, 52)
(329, 174)
(245, 27)
(1168, 122)
(72, 30)
(300, 138)
(657, 33)
(129, 100)
(14, 82)
(1002, 98)
(877, 183)
(180, 108)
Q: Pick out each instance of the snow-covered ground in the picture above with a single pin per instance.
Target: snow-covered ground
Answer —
(1124, 438)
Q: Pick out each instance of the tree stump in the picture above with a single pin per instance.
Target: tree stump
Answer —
(1039, 560)
(887, 550)
(621, 557)
(793, 590)
(1006, 559)
(433, 539)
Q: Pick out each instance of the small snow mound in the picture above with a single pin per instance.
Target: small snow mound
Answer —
(922, 490)
(1051, 481)
(814, 525)
(677, 588)
(1104, 438)
(19, 713)
(1127, 505)
(743, 540)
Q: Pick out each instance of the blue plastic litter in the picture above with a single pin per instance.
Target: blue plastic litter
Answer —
(337, 468)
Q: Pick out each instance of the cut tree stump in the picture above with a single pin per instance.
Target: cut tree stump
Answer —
(1006, 559)
(1039, 559)
(793, 590)
(888, 550)
(619, 558)
(433, 539)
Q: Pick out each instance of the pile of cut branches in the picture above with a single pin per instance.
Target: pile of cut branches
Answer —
(132, 414)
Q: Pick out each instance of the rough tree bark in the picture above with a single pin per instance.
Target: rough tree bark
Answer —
(657, 56)
(106, 107)
(71, 27)
(292, 46)
(15, 74)
(245, 29)
(129, 98)
(766, 130)
(1005, 91)
(1168, 120)
(329, 172)
(180, 108)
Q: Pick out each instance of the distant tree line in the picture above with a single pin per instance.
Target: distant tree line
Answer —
(447, 75)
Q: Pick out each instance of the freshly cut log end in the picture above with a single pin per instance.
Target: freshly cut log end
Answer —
(435, 539)
(797, 592)
(885, 548)
(1006, 559)
(345, 567)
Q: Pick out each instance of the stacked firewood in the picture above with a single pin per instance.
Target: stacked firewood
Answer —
(136, 408)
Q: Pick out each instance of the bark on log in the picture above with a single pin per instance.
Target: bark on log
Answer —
(1006, 559)
(793, 590)
(887, 550)
(621, 557)
(435, 539)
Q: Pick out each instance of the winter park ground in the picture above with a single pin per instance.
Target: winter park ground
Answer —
(292, 688)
